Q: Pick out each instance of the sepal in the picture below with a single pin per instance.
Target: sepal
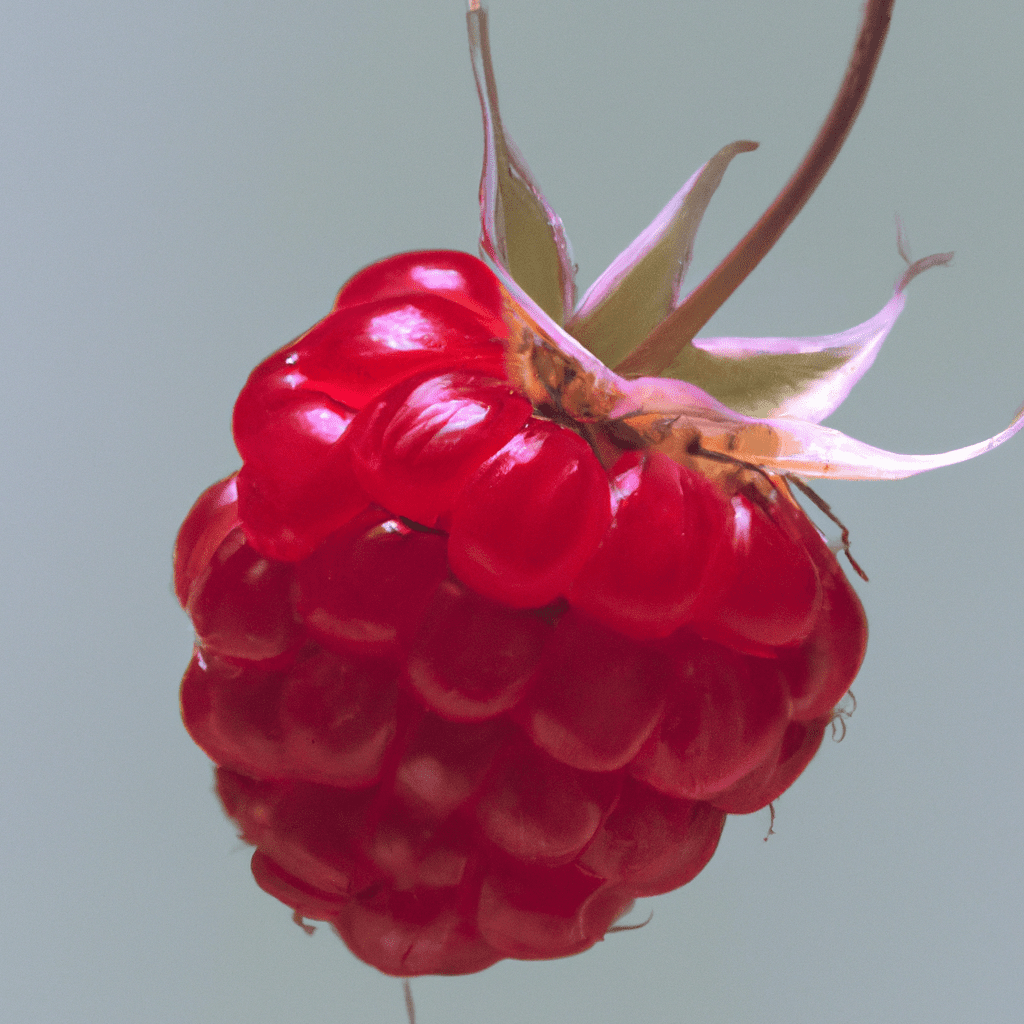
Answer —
(641, 287)
(799, 378)
(681, 420)
(520, 231)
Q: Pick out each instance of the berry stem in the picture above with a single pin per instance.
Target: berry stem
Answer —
(665, 342)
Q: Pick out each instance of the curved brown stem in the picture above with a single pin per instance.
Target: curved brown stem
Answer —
(662, 345)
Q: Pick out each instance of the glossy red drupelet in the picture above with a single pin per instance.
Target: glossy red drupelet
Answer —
(470, 690)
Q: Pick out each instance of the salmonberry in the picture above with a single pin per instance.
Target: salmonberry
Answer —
(494, 625)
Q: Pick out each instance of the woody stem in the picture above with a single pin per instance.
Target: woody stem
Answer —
(663, 344)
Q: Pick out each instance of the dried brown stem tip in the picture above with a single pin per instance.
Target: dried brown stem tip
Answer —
(410, 1006)
(661, 347)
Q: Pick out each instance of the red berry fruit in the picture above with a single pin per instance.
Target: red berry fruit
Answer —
(456, 276)
(531, 517)
(414, 447)
(507, 608)
(210, 520)
(652, 572)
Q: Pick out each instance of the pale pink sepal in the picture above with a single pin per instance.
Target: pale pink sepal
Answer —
(520, 232)
(822, 452)
(641, 287)
(687, 419)
(819, 384)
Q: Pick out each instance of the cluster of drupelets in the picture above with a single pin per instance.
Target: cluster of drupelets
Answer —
(472, 689)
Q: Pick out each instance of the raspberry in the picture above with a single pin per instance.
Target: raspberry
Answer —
(365, 587)
(415, 447)
(241, 605)
(491, 637)
(653, 572)
(531, 517)
(480, 716)
(488, 670)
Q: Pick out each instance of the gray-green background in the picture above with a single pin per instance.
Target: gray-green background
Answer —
(185, 185)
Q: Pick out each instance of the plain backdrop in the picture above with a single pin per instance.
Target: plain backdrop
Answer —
(185, 185)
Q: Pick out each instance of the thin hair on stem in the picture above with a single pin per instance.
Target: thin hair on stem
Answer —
(631, 927)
